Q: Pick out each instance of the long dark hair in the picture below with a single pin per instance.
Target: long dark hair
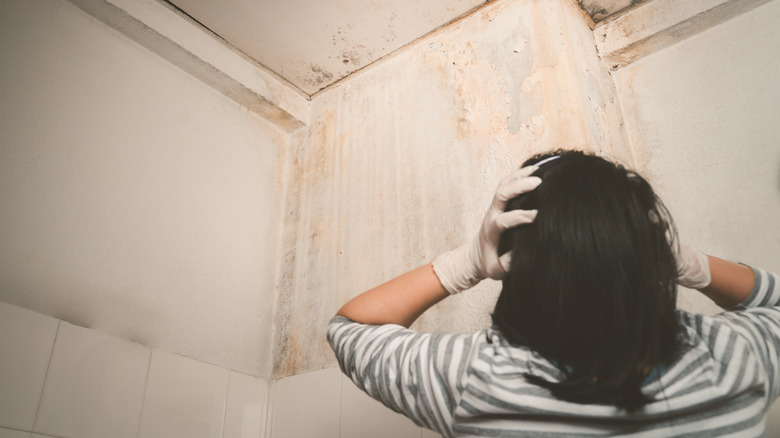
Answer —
(592, 283)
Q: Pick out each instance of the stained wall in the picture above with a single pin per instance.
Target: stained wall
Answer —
(399, 162)
(135, 200)
(702, 116)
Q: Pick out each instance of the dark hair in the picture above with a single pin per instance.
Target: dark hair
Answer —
(592, 282)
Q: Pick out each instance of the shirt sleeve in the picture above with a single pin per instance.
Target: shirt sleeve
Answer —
(757, 319)
(417, 374)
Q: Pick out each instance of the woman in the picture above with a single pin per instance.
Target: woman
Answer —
(586, 339)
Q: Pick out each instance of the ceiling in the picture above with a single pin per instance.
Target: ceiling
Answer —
(314, 43)
(601, 9)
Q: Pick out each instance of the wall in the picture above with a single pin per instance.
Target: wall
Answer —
(128, 190)
(61, 380)
(136, 200)
(400, 161)
(702, 116)
(333, 408)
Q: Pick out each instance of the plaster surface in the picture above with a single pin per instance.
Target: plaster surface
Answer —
(313, 44)
(183, 43)
(702, 117)
(655, 25)
(601, 9)
(135, 200)
(399, 162)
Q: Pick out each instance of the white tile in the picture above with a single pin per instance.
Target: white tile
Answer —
(362, 416)
(26, 340)
(430, 434)
(95, 386)
(8, 433)
(307, 405)
(246, 407)
(184, 398)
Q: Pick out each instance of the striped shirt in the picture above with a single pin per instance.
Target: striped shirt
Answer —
(475, 385)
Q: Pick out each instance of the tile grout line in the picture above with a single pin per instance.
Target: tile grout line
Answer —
(224, 409)
(146, 388)
(269, 409)
(46, 377)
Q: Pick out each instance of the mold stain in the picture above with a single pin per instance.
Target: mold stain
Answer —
(320, 156)
(351, 57)
(358, 176)
(319, 76)
(602, 9)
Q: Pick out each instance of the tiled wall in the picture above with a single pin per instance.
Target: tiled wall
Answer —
(326, 404)
(58, 380)
(64, 381)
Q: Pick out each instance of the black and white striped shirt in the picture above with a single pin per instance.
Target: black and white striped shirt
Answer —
(475, 385)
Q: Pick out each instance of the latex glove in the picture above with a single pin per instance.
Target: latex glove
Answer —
(463, 267)
(693, 267)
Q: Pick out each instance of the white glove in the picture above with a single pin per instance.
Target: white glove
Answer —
(693, 267)
(471, 263)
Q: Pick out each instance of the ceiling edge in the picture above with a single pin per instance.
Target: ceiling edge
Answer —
(405, 47)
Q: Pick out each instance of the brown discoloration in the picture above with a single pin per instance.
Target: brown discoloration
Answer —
(601, 9)
(398, 163)
(274, 114)
(290, 357)
(583, 13)
(319, 158)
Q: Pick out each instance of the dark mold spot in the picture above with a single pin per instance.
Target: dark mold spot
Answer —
(351, 56)
(319, 75)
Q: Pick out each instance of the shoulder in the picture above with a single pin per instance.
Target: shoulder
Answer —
(716, 346)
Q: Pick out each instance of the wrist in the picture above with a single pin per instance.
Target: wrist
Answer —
(694, 270)
(456, 269)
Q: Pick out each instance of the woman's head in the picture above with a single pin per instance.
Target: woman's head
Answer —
(592, 284)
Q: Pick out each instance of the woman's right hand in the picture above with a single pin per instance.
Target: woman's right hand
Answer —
(467, 265)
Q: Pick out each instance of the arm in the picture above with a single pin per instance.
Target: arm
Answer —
(753, 297)
(757, 319)
(420, 374)
(731, 283)
(726, 283)
(399, 301)
(403, 299)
